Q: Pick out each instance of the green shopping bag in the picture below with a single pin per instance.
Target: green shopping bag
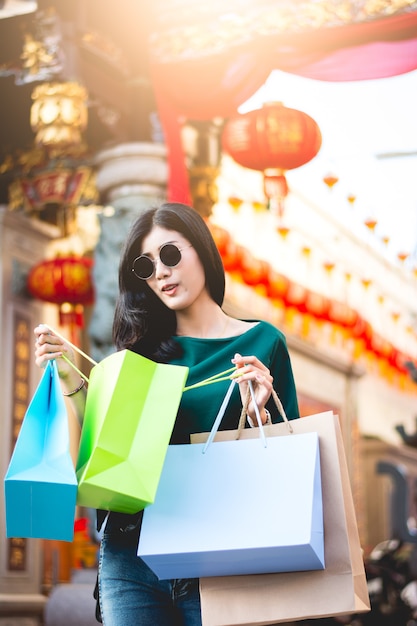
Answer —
(131, 406)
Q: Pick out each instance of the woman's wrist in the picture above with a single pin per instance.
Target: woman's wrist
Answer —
(76, 389)
(265, 418)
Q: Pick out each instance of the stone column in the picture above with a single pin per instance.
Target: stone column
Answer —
(23, 243)
(131, 177)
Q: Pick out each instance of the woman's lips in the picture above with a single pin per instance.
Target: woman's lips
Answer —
(169, 289)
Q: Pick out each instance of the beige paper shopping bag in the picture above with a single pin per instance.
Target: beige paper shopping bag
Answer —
(273, 598)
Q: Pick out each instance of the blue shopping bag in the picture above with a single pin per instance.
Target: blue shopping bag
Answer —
(40, 484)
(236, 507)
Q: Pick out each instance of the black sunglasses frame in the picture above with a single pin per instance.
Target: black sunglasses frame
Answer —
(154, 261)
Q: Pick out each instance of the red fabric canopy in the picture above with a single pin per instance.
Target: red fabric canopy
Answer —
(216, 85)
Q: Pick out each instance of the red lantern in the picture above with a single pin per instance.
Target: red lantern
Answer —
(296, 297)
(232, 255)
(272, 138)
(253, 271)
(342, 314)
(317, 305)
(65, 281)
(221, 238)
(277, 285)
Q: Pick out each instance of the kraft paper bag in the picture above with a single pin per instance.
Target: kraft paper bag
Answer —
(236, 507)
(131, 406)
(338, 589)
(40, 483)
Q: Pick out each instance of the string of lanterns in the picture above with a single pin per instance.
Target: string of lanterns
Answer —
(314, 308)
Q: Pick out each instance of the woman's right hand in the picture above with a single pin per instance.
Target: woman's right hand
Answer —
(49, 346)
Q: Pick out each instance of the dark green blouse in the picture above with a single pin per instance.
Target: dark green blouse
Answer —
(206, 357)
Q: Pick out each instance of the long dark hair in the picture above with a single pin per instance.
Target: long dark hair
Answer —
(142, 322)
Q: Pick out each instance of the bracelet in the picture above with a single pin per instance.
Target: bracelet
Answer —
(268, 419)
(74, 391)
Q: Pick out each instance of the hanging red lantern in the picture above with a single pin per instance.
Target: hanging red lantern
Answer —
(65, 281)
(342, 314)
(220, 236)
(232, 255)
(253, 271)
(296, 297)
(272, 138)
(277, 285)
(317, 305)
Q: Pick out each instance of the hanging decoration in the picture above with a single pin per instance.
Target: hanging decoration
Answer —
(313, 309)
(330, 180)
(370, 223)
(59, 114)
(272, 139)
(67, 282)
(403, 256)
(49, 181)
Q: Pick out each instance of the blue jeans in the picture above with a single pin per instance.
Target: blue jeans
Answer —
(132, 595)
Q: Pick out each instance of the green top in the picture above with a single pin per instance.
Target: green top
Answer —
(207, 357)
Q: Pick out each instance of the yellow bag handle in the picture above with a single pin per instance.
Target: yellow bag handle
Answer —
(77, 349)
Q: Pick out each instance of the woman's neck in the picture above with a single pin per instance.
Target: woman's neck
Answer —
(210, 323)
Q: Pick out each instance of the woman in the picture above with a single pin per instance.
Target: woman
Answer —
(169, 309)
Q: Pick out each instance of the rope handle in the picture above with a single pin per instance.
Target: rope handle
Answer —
(244, 412)
(250, 394)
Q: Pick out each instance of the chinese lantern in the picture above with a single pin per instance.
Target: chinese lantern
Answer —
(253, 271)
(272, 139)
(59, 113)
(65, 281)
(277, 285)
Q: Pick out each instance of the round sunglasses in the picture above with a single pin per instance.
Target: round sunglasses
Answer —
(170, 255)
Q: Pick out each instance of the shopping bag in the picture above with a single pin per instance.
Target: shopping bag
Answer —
(40, 483)
(236, 507)
(131, 406)
(338, 589)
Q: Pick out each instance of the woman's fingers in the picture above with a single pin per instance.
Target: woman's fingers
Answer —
(250, 368)
(47, 345)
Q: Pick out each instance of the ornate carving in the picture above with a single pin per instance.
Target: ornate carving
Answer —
(204, 29)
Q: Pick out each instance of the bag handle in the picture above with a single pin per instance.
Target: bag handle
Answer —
(219, 416)
(250, 394)
(278, 404)
(77, 349)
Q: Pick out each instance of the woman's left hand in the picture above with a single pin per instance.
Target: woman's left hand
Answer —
(251, 368)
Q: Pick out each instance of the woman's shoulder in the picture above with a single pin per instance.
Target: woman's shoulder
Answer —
(257, 327)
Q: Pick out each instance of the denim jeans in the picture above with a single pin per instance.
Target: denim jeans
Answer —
(132, 595)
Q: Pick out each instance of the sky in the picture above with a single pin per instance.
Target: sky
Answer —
(359, 121)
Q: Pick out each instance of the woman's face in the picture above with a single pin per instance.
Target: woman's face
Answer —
(181, 285)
